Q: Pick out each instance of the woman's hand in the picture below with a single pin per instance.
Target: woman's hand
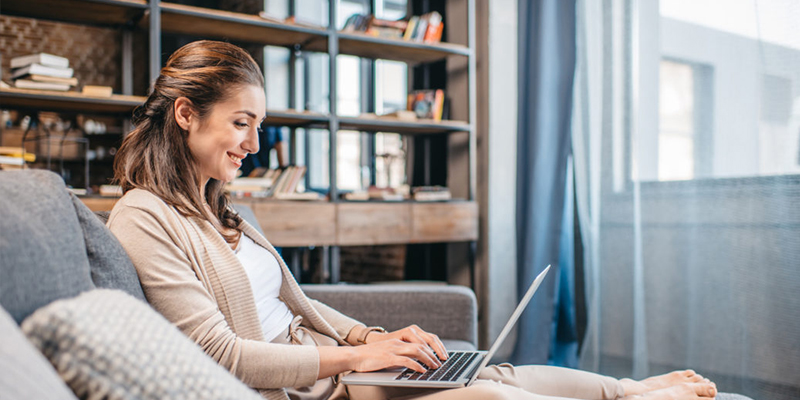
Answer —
(412, 334)
(375, 356)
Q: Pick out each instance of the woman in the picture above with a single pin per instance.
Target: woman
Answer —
(221, 283)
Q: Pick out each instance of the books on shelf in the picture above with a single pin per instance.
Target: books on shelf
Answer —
(45, 59)
(426, 28)
(44, 78)
(39, 69)
(111, 190)
(8, 160)
(427, 104)
(274, 183)
(377, 193)
(42, 71)
(31, 84)
(18, 153)
(431, 193)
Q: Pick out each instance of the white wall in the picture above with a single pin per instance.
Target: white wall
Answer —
(497, 146)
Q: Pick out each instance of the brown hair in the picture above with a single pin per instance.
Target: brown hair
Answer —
(155, 156)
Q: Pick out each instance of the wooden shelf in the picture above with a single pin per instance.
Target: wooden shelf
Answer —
(96, 12)
(362, 45)
(68, 101)
(405, 127)
(295, 118)
(209, 23)
(320, 223)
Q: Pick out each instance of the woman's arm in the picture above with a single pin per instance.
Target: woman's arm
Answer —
(178, 292)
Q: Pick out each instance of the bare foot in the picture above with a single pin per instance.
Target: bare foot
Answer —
(683, 391)
(660, 382)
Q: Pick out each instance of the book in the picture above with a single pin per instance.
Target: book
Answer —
(427, 104)
(17, 152)
(11, 160)
(43, 78)
(39, 69)
(438, 104)
(431, 193)
(29, 84)
(433, 32)
(111, 190)
(412, 23)
(45, 59)
(97, 91)
(299, 196)
(419, 30)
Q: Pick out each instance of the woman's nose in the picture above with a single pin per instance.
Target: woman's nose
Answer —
(250, 143)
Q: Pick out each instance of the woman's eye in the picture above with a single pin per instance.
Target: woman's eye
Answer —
(241, 124)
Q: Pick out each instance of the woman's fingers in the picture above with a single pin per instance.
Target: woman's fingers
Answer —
(418, 335)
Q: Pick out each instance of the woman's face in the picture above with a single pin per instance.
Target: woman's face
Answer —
(227, 134)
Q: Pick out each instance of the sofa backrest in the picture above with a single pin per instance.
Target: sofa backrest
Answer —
(52, 246)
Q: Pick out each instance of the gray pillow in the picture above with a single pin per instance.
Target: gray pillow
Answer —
(42, 250)
(106, 344)
(26, 374)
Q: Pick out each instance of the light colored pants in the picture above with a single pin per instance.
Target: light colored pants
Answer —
(506, 382)
(495, 382)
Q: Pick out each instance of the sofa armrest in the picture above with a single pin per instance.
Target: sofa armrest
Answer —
(448, 311)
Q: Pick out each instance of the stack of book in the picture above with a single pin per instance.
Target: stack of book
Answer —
(275, 183)
(376, 193)
(431, 193)
(42, 71)
(14, 158)
(427, 104)
(426, 28)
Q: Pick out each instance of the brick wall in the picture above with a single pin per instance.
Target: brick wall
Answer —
(94, 53)
(363, 264)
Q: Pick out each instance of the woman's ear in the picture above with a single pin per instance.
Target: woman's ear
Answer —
(184, 113)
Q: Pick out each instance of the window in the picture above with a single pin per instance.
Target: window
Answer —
(719, 92)
(363, 85)
(683, 111)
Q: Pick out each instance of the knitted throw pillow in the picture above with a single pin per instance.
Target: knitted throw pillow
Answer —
(107, 344)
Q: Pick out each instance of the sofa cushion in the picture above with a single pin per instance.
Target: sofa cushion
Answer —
(108, 262)
(26, 374)
(42, 251)
(107, 344)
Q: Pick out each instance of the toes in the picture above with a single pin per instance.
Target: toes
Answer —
(704, 389)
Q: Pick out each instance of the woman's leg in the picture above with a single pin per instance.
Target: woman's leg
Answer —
(555, 381)
(480, 390)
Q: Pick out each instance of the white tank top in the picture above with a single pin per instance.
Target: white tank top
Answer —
(265, 276)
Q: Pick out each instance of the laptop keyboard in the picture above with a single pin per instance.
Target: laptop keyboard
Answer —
(456, 362)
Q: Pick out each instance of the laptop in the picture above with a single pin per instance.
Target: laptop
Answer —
(459, 370)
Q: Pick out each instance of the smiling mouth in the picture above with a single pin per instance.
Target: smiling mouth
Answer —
(236, 159)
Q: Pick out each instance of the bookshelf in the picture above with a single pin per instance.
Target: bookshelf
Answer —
(67, 101)
(290, 223)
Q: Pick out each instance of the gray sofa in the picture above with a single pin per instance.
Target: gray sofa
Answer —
(57, 256)
(53, 247)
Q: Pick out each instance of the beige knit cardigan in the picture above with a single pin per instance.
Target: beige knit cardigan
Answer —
(192, 277)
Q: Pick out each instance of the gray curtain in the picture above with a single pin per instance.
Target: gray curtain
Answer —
(546, 68)
(685, 138)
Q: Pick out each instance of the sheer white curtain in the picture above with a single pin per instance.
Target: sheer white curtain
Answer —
(686, 140)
